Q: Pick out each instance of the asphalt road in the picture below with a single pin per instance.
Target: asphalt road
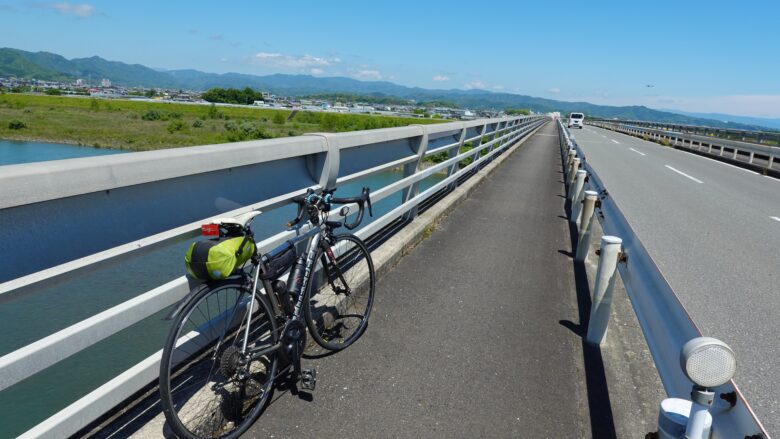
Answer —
(465, 339)
(714, 231)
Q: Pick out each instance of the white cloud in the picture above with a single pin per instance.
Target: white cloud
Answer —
(498, 87)
(475, 84)
(369, 74)
(83, 10)
(315, 71)
(294, 62)
(554, 90)
(441, 78)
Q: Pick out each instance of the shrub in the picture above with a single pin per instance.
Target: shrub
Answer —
(53, 92)
(197, 124)
(213, 113)
(152, 115)
(245, 131)
(16, 125)
(175, 125)
(279, 118)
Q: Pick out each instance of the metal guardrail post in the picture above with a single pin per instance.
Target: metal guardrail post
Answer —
(573, 168)
(478, 143)
(771, 161)
(602, 295)
(572, 154)
(586, 225)
(576, 199)
(452, 152)
(412, 168)
(329, 171)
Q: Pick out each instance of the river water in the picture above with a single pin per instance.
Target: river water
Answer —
(12, 152)
(33, 316)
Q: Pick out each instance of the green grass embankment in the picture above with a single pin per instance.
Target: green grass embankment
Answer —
(142, 126)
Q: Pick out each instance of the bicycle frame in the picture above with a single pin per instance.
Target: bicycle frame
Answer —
(314, 236)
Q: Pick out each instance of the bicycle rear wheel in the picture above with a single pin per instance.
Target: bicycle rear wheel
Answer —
(205, 390)
(340, 294)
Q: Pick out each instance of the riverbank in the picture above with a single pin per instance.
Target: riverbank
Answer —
(142, 125)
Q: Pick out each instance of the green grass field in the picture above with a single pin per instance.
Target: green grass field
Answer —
(141, 126)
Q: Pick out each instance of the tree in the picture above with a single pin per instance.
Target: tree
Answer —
(232, 95)
(516, 111)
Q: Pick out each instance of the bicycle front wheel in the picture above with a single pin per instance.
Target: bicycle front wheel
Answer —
(207, 387)
(340, 293)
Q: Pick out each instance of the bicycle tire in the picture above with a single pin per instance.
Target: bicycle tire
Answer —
(332, 312)
(235, 404)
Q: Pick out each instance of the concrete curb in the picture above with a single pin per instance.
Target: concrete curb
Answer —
(390, 253)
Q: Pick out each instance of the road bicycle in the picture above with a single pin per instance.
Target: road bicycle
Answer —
(232, 338)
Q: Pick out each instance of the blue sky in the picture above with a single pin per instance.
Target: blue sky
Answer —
(712, 56)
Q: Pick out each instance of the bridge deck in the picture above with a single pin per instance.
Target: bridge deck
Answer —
(466, 338)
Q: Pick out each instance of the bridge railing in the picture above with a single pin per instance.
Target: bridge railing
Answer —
(66, 218)
(761, 156)
(664, 321)
(749, 136)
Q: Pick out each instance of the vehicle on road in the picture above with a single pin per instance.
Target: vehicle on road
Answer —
(243, 328)
(576, 120)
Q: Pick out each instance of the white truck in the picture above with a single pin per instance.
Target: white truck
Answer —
(576, 120)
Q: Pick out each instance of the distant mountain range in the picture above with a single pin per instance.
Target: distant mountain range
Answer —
(730, 118)
(50, 66)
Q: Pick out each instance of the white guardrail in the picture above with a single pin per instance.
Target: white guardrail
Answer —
(749, 136)
(122, 206)
(760, 156)
(665, 323)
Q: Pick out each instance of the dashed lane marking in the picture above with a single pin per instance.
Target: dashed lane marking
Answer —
(684, 174)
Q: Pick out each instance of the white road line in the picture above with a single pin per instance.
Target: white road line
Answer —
(727, 164)
(684, 174)
(775, 218)
(614, 140)
(640, 153)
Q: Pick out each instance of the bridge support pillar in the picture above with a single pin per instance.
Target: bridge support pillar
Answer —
(602, 294)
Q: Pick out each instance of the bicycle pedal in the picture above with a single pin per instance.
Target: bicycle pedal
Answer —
(309, 378)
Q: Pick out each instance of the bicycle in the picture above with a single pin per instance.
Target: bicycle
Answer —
(221, 356)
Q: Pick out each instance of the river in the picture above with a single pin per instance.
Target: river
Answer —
(48, 310)
(13, 152)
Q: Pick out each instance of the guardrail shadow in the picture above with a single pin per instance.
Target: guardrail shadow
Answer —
(602, 424)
